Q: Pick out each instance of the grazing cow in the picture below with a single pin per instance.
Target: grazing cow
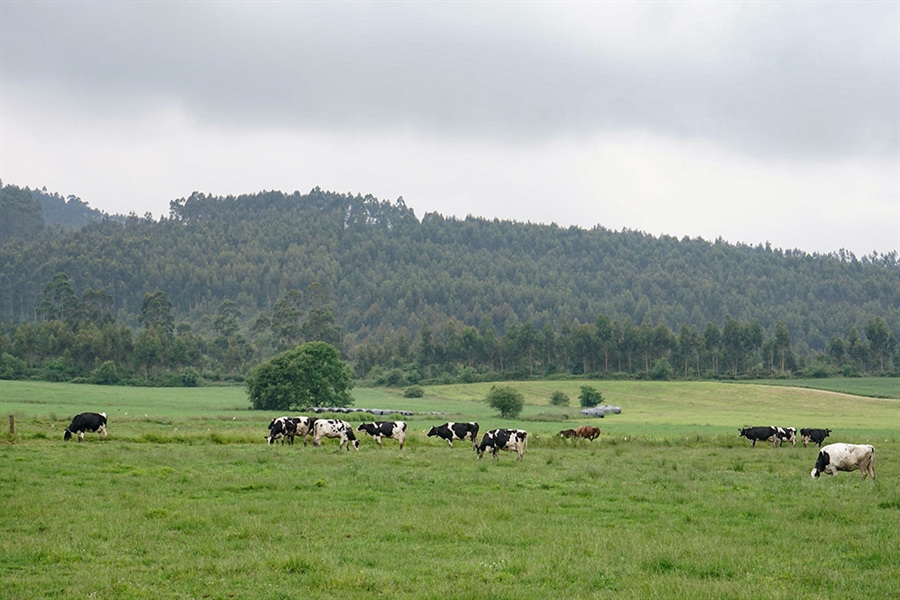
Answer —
(389, 429)
(755, 434)
(456, 431)
(786, 434)
(285, 428)
(588, 432)
(86, 422)
(568, 433)
(845, 457)
(335, 428)
(813, 435)
(503, 439)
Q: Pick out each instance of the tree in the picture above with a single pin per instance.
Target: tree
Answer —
(878, 336)
(506, 399)
(311, 374)
(226, 324)
(156, 311)
(559, 398)
(783, 343)
(286, 325)
(589, 396)
(60, 302)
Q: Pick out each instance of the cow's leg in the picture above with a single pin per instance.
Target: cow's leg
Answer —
(80, 436)
(450, 443)
(102, 432)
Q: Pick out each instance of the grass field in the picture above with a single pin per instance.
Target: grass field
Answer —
(189, 502)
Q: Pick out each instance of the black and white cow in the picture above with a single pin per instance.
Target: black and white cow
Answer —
(757, 434)
(385, 429)
(285, 428)
(816, 436)
(503, 439)
(86, 422)
(335, 428)
(787, 434)
(456, 431)
(845, 457)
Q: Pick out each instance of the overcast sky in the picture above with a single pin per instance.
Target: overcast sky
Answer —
(752, 121)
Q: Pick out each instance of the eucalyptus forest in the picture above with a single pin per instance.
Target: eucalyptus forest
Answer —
(221, 284)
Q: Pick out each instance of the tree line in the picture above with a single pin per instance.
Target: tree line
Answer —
(78, 339)
(247, 277)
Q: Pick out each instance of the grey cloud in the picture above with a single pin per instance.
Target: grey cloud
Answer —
(810, 80)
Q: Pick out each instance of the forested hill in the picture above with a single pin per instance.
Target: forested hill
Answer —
(383, 270)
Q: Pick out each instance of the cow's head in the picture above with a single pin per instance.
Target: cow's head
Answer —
(821, 462)
(67, 436)
(432, 432)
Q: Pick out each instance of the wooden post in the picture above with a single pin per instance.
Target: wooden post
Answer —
(12, 424)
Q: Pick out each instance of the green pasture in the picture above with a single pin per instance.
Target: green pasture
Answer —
(189, 502)
(876, 387)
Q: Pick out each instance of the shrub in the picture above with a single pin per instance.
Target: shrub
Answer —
(105, 374)
(11, 367)
(506, 399)
(662, 370)
(190, 377)
(589, 396)
(414, 391)
(558, 398)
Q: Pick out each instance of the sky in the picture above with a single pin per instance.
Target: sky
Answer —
(754, 122)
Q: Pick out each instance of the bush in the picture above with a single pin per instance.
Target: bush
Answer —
(190, 377)
(589, 396)
(11, 367)
(105, 374)
(414, 391)
(662, 370)
(558, 398)
(506, 399)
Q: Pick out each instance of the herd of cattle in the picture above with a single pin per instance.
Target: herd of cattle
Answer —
(287, 428)
(831, 459)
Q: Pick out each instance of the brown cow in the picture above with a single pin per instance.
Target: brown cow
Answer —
(588, 432)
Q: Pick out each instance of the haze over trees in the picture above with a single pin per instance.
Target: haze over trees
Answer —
(223, 283)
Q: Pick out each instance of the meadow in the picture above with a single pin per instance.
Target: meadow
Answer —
(189, 502)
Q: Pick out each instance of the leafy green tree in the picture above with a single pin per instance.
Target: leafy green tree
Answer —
(589, 396)
(837, 350)
(604, 337)
(60, 302)
(733, 343)
(662, 370)
(105, 374)
(559, 398)
(226, 323)
(287, 327)
(505, 399)
(321, 326)
(712, 342)
(311, 374)
(783, 344)
(156, 311)
(878, 336)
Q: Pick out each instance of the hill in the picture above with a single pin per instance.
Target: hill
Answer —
(394, 283)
